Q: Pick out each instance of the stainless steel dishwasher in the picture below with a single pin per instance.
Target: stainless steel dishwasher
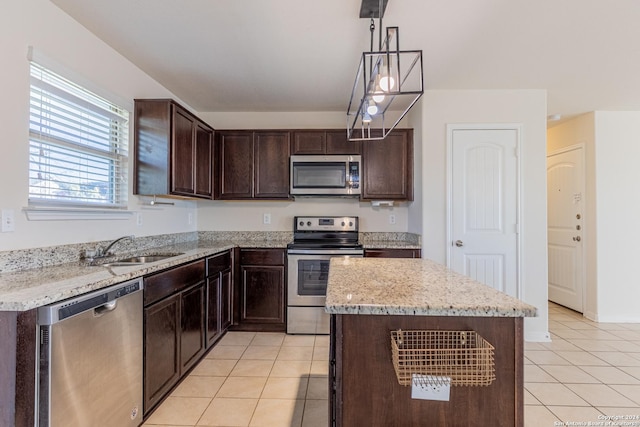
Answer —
(90, 359)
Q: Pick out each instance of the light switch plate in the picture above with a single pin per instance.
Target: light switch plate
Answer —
(8, 221)
(429, 387)
(266, 218)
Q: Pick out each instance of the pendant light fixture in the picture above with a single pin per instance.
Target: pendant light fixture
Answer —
(388, 83)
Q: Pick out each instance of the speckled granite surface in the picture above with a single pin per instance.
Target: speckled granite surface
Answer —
(393, 286)
(390, 240)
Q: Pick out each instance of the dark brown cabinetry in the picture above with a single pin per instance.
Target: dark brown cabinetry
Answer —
(219, 296)
(323, 142)
(174, 324)
(252, 165)
(261, 290)
(173, 151)
(387, 167)
(393, 253)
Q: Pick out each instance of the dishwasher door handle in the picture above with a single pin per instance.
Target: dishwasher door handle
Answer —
(105, 308)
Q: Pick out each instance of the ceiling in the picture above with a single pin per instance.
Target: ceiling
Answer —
(302, 55)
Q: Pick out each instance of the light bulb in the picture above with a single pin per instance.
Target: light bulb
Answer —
(372, 108)
(387, 83)
(366, 118)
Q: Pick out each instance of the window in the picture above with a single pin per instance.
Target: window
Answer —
(78, 145)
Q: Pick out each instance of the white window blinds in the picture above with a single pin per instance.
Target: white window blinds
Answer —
(78, 145)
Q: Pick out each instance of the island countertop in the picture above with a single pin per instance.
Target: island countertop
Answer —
(420, 287)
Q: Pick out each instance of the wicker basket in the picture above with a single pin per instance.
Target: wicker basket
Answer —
(463, 356)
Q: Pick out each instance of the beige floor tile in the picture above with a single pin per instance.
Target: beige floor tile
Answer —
(320, 353)
(578, 325)
(567, 333)
(601, 394)
(199, 386)
(214, 367)
(299, 340)
(318, 388)
(535, 374)
(229, 412)
(182, 411)
(538, 416)
(278, 413)
(237, 338)
(291, 368)
(529, 399)
(576, 414)
(613, 411)
(242, 387)
(252, 368)
(627, 335)
(319, 368)
(546, 357)
(285, 388)
(632, 392)
(560, 344)
(610, 375)
(268, 338)
(322, 340)
(599, 334)
(623, 345)
(589, 345)
(569, 374)
(582, 358)
(555, 394)
(534, 346)
(228, 352)
(316, 413)
(295, 353)
(631, 370)
(616, 358)
(529, 362)
(261, 352)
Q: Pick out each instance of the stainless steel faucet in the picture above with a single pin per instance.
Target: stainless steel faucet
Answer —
(102, 252)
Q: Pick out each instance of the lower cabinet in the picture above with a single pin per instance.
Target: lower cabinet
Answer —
(393, 253)
(219, 296)
(174, 328)
(261, 291)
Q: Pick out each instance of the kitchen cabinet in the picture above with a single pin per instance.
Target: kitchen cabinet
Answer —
(261, 290)
(393, 253)
(387, 167)
(173, 151)
(252, 165)
(219, 296)
(174, 325)
(323, 142)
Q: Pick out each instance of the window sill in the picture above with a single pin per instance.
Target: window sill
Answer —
(73, 214)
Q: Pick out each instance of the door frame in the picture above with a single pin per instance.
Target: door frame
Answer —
(451, 127)
(585, 231)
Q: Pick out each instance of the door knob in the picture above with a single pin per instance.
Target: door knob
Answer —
(577, 239)
(459, 243)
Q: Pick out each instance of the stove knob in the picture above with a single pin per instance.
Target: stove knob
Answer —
(301, 224)
(309, 223)
(350, 224)
(343, 223)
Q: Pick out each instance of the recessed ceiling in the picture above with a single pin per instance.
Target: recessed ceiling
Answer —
(302, 55)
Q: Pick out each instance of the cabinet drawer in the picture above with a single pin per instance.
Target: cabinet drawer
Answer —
(218, 263)
(262, 256)
(161, 285)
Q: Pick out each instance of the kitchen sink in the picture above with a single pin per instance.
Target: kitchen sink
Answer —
(139, 259)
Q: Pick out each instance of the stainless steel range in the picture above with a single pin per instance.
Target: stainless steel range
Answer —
(315, 241)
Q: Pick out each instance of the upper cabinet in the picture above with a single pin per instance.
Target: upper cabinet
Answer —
(252, 165)
(173, 151)
(387, 167)
(323, 142)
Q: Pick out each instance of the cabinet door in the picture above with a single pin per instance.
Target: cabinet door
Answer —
(213, 308)
(226, 300)
(308, 142)
(182, 149)
(192, 327)
(262, 294)
(161, 349)
(337, 143)
(271, 156)
(204, 161)
(387, 171)
(235, 156)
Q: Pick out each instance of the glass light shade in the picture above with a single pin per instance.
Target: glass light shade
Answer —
(366, 118)
(372, 108)
(378, 97)
(387, 83)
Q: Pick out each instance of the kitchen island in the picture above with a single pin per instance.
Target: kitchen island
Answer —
(370, 297)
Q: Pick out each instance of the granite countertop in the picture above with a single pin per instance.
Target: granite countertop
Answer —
(27, 289)
(394, 286)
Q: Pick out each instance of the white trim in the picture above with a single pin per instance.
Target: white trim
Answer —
(449, 177)
(69, 214)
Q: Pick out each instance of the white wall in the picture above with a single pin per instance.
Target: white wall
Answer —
(247, 215)
(525, 107)
(51, 32)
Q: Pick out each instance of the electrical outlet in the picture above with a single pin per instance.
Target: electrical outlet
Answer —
(190, 218)
(266, 218)
(139, 219)
(8, 221)
(392, 219)
(429, 387)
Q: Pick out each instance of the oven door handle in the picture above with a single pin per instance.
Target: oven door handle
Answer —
(355, 252)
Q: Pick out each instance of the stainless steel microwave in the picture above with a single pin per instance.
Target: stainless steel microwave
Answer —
(320, 175)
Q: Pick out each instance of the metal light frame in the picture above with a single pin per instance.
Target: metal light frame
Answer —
(388, 61)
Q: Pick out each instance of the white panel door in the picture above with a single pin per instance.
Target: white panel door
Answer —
(484, 202)
(565, 189)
